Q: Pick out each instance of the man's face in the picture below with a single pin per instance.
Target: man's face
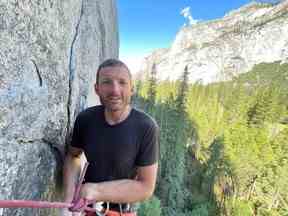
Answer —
(114, 88)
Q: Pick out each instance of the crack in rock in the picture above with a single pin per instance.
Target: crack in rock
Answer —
(72, 70)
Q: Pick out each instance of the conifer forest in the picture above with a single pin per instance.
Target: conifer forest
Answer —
(223, 146)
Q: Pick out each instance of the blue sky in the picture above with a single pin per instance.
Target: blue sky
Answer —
(145, 25)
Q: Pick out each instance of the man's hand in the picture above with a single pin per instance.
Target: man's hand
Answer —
(89, 191)
(79, 205)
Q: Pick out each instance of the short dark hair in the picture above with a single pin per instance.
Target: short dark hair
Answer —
(111, 63)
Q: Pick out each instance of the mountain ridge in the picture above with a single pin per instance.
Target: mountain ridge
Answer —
(220, 49)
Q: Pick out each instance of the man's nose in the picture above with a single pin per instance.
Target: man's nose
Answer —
(115, 88)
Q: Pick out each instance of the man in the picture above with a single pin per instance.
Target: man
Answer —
(119, 142)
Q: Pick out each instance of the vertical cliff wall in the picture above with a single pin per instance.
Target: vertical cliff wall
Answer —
(49, 52)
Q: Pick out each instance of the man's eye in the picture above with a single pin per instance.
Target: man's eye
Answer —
(122, 82)
(106, 81)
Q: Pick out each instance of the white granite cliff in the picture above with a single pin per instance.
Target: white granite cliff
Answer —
(220, 49)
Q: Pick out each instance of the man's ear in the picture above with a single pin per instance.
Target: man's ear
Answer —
(96, 89)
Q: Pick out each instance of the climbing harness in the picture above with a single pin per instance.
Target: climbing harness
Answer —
(126, 211)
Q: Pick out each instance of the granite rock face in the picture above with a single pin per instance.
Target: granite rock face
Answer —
(220, 49)
(49, 53)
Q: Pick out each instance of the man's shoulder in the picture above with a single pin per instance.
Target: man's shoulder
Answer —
(144, 119)
(90, 111)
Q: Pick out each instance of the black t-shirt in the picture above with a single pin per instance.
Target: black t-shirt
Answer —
(115, 151)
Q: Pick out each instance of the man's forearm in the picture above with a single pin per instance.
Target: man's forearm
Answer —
(118, 191)
(71, 171)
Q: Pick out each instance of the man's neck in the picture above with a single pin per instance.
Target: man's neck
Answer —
(115, 117)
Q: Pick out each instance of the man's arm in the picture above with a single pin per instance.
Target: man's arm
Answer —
(126, 190)
(71, 171)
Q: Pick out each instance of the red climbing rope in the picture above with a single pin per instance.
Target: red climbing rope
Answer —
(32, 204)
(39, 204)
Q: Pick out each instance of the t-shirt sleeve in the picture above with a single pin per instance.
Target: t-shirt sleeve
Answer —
(149, 148)
(77, 136)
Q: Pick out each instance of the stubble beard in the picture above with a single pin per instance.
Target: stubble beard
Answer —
(114, 108)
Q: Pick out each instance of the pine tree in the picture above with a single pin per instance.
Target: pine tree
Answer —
(152, 86)
(182, 91)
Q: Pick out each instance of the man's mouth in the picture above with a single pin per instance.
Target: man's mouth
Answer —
(114, 99)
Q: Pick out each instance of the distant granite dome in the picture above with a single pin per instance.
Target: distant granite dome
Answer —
(219, 49)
